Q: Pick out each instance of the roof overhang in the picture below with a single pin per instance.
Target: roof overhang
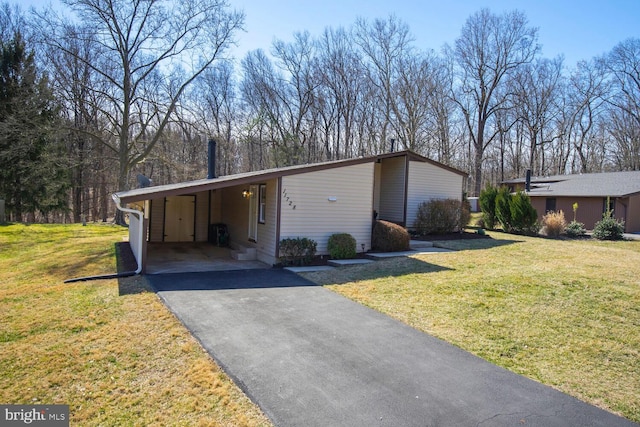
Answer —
(190, 187)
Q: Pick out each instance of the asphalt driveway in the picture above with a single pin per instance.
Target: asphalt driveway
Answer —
(309, 357)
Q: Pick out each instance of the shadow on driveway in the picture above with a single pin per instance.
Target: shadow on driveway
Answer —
(233, 279)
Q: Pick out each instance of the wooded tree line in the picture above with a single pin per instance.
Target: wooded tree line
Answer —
(138, 87)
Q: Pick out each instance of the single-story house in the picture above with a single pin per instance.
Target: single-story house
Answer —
(259, 209)
(591, 191)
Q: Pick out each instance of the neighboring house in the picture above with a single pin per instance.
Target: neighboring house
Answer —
(591, 191)
(315, 201)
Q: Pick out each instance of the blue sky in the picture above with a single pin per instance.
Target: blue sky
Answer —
(577, 29)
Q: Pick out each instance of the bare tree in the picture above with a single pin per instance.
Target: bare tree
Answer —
(296, 61)
(263, 93)
(488, 51)
(342, 77)
(623, 66)
(537, 87)
(147, 53)
(587, 88)
(215, 104)
(411, 91)
(384, 43)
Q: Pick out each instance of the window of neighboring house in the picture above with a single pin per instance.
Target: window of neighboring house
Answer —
(262, 203)
(550, 205)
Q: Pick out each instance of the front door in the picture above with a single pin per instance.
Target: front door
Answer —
(179, 219)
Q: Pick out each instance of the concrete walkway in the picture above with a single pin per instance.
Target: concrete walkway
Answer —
(309, 357)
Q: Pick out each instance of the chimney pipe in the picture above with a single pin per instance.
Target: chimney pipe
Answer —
(527, 183)
(393, 145)
(211, 163)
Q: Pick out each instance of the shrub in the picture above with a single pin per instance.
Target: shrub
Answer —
(524, 218)
(575, 229)
(503, 210)
(440, 216)
(297, 251)
(516, 213)
(389, 237)
(487, 200)
(608, 228)
(342, 246)
(554, 223)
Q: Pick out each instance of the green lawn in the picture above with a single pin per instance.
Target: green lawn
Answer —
(109, 349)
(564, 313)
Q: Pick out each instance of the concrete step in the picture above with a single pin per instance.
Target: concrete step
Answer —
(241, 253)
(420, 244)
(342, 262)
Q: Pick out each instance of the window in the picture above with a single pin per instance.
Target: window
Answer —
(550, 205)
(262, 203)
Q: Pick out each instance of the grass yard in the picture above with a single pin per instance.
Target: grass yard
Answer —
(564, 313)
(109, 349)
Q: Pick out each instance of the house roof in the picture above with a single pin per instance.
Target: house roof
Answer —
(607, 184)
(189, 187)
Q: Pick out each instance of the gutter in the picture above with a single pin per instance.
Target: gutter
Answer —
(140, 236)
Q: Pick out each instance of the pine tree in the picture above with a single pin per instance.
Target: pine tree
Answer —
(32, 175)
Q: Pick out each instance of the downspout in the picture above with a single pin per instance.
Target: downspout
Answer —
(139, 214)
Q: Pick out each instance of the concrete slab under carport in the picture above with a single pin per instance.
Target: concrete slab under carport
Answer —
(163, 258)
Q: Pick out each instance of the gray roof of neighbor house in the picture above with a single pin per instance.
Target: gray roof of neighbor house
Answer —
(612, 184)
(190, 187)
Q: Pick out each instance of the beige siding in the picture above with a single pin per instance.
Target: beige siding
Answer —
(318, 204)
(215, 201)
(156, 225)
(427, 182)
(266, 242)
(202, 216)
(234, 211)
(376, 186)
(392, 189)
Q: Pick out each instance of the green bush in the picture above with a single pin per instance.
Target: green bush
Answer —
(503, 209)
(524, 218)
(342, 246)
(487, 200)
(297, 251)
(440, 216)
(516, 213)
(389, 237)
(608, 228)
(575, 229)
(554, 223)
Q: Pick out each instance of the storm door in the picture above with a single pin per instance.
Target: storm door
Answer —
(253, 213)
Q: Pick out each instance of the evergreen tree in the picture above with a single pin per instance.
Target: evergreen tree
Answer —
(487, 201)
(32, 175)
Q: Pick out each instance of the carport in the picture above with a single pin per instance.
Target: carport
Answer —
(193, 257)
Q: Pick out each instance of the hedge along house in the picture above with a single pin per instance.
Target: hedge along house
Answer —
(590, 191)
(259, 209)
